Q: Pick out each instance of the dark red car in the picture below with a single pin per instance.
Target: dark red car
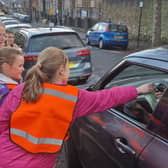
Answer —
(133, 135)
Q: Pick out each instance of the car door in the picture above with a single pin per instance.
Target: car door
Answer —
(124, 140)
(155, 155)
(92, 33)
(99, 34)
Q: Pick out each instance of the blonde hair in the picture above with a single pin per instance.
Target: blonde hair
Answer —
(8, 55)
(49, 61)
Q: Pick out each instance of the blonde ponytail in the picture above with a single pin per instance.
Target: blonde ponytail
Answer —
(47, 65)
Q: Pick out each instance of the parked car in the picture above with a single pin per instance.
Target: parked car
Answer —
(132, 135)
(25, 18)
(16, 27)
(4, 18)
(22, 17)
(107, 34)
(10, 22)
(34, 40)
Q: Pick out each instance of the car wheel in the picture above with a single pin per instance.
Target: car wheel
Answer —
(87, 41)
(71, 155)
(101, 44)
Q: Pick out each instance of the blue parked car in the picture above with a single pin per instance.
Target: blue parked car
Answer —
(108, 34)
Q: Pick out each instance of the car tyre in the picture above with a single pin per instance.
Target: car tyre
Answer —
(101, 44)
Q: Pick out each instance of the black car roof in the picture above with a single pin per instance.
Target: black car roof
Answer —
(160, 54)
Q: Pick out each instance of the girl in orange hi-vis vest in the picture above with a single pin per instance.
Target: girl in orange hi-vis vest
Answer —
(42, 109)
(11, 68)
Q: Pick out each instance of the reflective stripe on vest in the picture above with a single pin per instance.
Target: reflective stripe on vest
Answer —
(35, 140)
(41, 127)
(60, 94)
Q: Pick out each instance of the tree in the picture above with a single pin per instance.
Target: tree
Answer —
(156, 35)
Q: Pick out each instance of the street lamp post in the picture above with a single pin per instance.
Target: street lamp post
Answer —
(139, 25)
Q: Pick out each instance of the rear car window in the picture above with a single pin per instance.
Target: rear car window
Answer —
(117, 28)
(62, 41)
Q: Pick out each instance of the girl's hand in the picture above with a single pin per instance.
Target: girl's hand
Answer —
(145, 88)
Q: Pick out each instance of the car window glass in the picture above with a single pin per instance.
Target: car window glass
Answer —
(102, 27)
(117, 28)
(159, 119)
(136, 71)
(141, 108)
(19, 40)
(95, 27)
(113, 27)
(121, 28)
(62, 41)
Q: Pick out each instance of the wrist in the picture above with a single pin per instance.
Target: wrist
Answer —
(139, 91)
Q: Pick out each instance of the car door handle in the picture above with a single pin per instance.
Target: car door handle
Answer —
(123, 147)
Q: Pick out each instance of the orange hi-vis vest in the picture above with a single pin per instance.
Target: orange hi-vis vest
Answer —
(41, 127)
(11, 86)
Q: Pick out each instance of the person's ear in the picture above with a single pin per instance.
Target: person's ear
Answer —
(5, 67)
(61, 70)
